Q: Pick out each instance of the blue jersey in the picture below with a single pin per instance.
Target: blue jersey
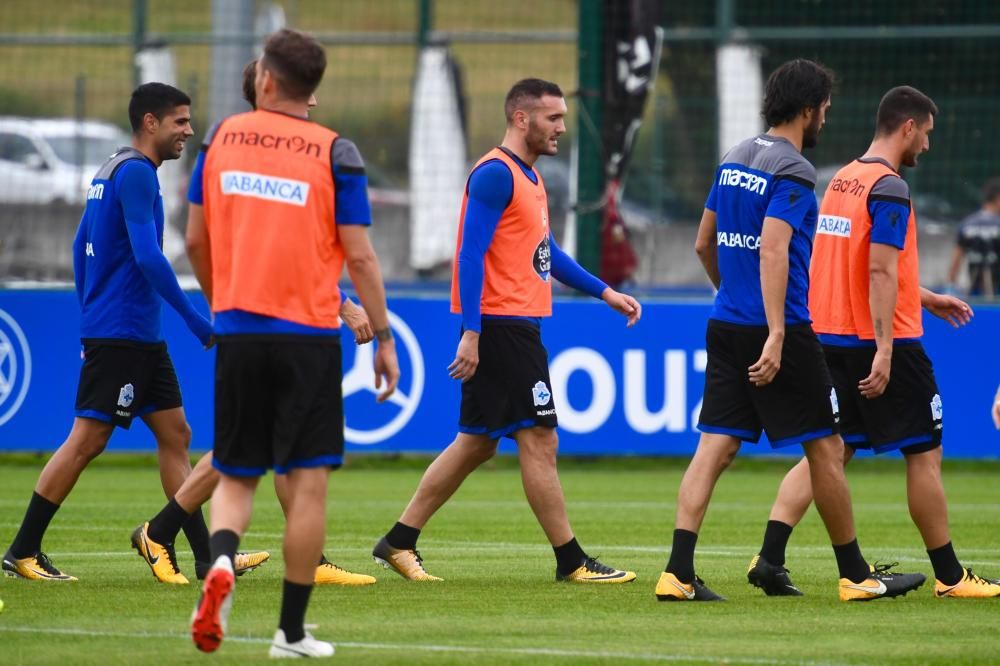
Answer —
(764, 176)
(118, 263)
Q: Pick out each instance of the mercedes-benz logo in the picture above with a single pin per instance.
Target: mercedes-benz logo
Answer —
(361, 377)
(15, 367)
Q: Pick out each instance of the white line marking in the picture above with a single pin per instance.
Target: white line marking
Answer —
(409, 647)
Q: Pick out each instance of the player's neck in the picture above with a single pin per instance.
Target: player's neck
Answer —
(790, 132)
(147, 149)
(288, 107)
(885, 149)
(516, 145)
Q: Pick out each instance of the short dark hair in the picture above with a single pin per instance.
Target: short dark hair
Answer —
(796, 85)
(296, 60)
(249, 81)
(528, 89)
(156, 98)
(991, 190)
(901, 104)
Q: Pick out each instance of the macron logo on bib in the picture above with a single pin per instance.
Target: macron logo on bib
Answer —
(834, 225)
(269, 188)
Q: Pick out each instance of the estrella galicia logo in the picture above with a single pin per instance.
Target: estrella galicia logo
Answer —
(15, 367)
(126, 395)
(367, 422)
(542, 260)
(541, 394)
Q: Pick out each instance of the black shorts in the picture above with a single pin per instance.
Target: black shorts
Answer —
(798, 406)
(121, 379)
(906, 417)
(511, 389)
(278, 404)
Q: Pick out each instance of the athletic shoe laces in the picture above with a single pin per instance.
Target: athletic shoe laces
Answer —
(883, 570)
(592, 565)
(979, 580)
(172, 557)
(45, 563)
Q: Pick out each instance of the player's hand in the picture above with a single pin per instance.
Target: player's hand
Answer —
(953, 310)
(386, 369)
(624, 304)
(874, 384)
(357, 320)
(996, 410)
(466, 357)
(766, 368)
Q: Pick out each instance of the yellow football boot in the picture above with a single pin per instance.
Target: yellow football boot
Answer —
(881, 584)
(328, 573)
(407, 563)
(970, 587)
(670, 588)
(161, 559)
(33, 567)
(593, 571)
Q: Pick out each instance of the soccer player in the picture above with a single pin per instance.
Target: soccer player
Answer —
(979, 243)
(765, 366)
(865, 298)
(121, 278)
(285, 206)
(161, 530)
(501, 286)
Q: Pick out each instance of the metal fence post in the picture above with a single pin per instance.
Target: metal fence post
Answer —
(590, 107)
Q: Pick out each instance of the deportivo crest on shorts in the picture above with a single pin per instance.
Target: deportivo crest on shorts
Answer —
(126, 395)
(834, 404)
(541, 394)
(937, 409)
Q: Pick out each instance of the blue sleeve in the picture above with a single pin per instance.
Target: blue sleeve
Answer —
(791, 201)
(79, 262)
(566, 270)
(889, 222)
(352, 202)
(195, 186)
(137, 188)
(350, 183)
(491, 187)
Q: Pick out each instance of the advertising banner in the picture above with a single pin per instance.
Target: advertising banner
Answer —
(617, 391)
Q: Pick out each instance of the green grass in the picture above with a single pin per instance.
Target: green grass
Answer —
(499, 603)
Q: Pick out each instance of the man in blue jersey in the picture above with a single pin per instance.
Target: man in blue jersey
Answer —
(121, 278)
(765, 366)
(164, 527)
(501, 286)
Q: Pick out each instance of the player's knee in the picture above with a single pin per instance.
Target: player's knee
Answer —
(90, 443)
(177, 437)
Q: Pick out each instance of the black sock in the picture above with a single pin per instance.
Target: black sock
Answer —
(946, 566)
(165, 525)
(403, 537)
(569, 557)
(224, 542)
(851, 563)
(681, 562)
(775, 541)
(196, 532)
(293, 611)
(36, 520)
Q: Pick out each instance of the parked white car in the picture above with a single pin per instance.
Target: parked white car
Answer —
(53, 160)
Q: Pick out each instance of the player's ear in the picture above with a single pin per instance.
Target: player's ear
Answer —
(150, 122)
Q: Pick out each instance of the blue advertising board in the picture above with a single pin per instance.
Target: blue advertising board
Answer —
(618, 391)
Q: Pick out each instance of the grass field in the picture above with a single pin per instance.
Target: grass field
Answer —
(499, 604)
